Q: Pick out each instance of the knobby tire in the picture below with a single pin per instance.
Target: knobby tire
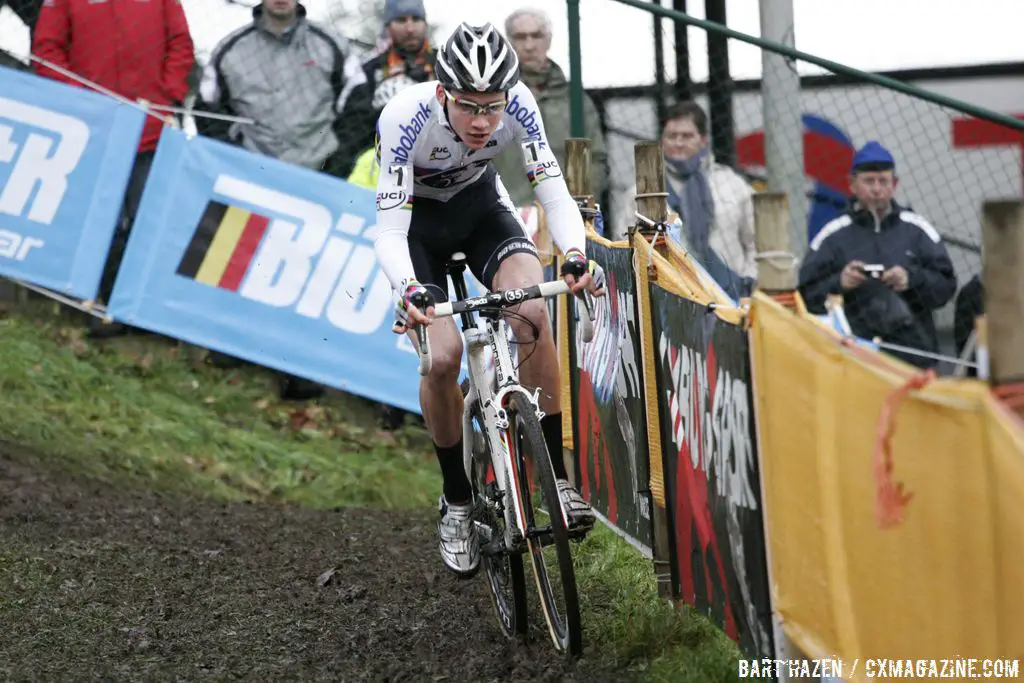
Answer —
(527, 432)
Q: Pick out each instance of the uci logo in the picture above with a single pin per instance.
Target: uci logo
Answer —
(550, 169)
(390, 200)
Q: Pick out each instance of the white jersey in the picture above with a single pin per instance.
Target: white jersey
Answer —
(420, 156)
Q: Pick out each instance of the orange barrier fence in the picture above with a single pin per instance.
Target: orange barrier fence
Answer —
(892, 500)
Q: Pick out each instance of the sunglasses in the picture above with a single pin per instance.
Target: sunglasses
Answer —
(471, 108)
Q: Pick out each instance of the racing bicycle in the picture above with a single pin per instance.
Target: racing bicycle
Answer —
(501, 420)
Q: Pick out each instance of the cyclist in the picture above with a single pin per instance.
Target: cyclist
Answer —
(436, 141)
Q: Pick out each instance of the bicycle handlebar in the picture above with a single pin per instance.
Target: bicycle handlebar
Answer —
(503, 299)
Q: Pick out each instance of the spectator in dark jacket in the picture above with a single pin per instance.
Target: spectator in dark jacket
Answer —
(409, 58)
(150, 62)
(888, 262)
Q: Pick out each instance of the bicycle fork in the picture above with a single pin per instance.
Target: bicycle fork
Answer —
(496, 426)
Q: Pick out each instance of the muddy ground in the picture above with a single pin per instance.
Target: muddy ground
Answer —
(110, 583)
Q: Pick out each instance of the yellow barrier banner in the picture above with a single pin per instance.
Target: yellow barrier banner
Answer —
(892, 501)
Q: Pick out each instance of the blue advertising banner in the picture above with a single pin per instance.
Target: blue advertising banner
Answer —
(265, 261)
(65, 157)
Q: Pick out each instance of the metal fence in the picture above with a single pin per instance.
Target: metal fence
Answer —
(953, 147)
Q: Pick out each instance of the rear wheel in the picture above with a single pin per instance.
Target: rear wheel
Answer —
(504, 570)
(552, 566)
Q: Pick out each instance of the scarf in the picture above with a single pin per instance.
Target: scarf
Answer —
(689, 195)
(418, 66)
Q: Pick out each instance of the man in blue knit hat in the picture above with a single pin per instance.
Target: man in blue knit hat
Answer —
(887, 261)
(407, 59)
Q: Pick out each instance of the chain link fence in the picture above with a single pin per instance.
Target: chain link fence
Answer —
(947, 162)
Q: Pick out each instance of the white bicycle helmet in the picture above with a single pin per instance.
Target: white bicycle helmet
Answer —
(477, 59)
(388, 88)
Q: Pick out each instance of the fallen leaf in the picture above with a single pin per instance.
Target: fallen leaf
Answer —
(262, 404)
(145, 361)
(209, 399)
(326, 577)
(304, 418)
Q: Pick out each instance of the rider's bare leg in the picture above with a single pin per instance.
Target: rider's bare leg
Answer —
(441, 402)
(539, 362)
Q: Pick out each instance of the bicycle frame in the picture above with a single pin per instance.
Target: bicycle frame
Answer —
(492, 331)
(478, 332)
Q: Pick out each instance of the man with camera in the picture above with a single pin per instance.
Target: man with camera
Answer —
(887, 261)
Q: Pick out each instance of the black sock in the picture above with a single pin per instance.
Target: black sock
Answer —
(457, 490)
(551, 425)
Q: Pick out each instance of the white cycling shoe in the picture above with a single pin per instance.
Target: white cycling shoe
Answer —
(457, 538)
(578, 510)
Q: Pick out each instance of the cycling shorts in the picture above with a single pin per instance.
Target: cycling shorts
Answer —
(479, 221)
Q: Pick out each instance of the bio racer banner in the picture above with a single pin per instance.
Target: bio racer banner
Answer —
(65, 157)
(268, 262)
(712, 477)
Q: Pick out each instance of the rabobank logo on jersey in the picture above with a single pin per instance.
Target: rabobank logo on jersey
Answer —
(410, 132)
(526, 117)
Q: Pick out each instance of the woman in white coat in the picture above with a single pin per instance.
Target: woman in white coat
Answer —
(714, 202)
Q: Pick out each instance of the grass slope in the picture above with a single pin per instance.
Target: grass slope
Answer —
(144, 412)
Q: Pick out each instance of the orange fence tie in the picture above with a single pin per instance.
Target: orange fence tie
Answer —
(890, 497)
(787, 299)
(1011, 394)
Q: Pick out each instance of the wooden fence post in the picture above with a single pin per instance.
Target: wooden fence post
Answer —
(577, 179)
(650, 202)
(650, 185)
(1003, 283)
(776, 266)
(577, 171)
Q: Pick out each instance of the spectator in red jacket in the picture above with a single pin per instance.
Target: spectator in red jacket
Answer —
(141, 50)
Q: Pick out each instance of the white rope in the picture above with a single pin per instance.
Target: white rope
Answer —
(918, 352)
(146, 107)
(660, 228)
(972, 342)
(766, 255)
(141, 105)
(185, 111)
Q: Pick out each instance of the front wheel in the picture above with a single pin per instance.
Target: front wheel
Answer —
(560, 602)
(504, 570)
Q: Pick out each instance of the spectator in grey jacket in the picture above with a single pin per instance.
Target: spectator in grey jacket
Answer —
(292, 78)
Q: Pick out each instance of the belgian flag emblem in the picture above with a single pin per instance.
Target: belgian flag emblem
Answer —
(223, 245)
